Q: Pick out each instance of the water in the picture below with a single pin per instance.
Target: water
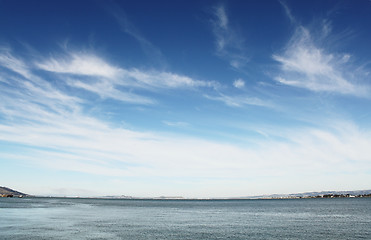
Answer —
(63, 218)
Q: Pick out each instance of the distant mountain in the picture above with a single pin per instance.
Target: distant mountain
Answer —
(4, 191)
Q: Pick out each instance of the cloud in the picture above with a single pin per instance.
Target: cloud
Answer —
(221, 17)
(305, 65)
(94, 74)
(51, 129)
(229, 44)
(239, 101)
(102, 76)
(148, 48)
(67, 139)
(12, 63)
(33, 85)
(156, 79)
(288, 12)
(106, 89)
(80, 64)
(239, 83)
(176, 124)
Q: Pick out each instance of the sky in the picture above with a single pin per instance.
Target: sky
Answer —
(199, 99)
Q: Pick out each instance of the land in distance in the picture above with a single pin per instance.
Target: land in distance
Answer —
(7, 192)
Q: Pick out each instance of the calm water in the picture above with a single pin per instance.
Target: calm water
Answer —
(58, 218)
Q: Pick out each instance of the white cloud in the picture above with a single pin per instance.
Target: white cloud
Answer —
(306, 65)
(72, 141)
(155, 79)
(47, 96)
(326, 28)
(7, 60)
(52, 129)
(239, 101)
(80, 64)
(239, 83)
(114, 82)
(64, 138)
(106, 89)
(288, 12)
(152, 52)
(229, 44)
(176, 124)
(221, 17)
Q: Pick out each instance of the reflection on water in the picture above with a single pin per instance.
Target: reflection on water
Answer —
(63, 218)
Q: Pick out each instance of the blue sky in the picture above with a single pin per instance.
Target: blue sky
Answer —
(185, 98)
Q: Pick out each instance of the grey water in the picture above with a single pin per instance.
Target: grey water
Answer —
(67, 218)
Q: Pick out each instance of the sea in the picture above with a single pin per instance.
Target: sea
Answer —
(78, 218)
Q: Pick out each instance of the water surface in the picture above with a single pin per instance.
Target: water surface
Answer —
(65, 218)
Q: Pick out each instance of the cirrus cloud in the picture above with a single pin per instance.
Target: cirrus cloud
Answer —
(305, 65)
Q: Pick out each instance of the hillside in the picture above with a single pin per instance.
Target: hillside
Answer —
(4, 191)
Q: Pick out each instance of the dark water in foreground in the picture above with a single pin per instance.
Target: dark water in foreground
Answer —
(61, 218)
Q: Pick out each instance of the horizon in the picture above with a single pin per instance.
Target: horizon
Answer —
(264, 196)
(195, 99)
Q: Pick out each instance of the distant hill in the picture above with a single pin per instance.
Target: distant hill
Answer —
(7, 191)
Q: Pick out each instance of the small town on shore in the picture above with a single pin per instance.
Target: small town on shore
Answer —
(10, 195)
(325, 196)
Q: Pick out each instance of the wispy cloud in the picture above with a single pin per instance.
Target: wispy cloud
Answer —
(51, 129)
(288, 12)
(115, 82)
(49, 96)
(229, 44)
(176, 124)
(107, 89)
(156, 79)
(305, 64)
(80, 64)
(12, 63)
(108, 81)
(152, 52)
(239, 83)
(239, 101)
(73, 141)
